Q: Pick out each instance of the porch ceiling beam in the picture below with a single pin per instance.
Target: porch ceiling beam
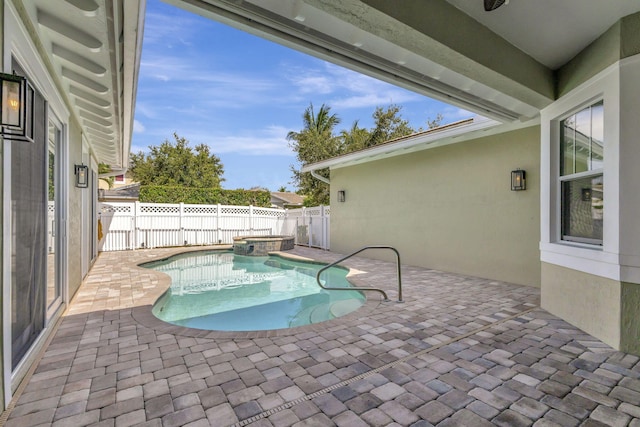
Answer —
(63, 28)
(77, 59)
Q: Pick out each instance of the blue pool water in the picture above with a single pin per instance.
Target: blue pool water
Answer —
(226, 292)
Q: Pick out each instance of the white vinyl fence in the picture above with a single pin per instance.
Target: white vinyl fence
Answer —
(127, 226)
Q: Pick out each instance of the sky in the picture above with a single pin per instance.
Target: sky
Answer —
(241, 95)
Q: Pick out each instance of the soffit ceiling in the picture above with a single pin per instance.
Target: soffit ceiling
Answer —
(551, 31)
(93, 51)
(360, 35)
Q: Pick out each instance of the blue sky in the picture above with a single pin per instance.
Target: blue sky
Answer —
(241, 95)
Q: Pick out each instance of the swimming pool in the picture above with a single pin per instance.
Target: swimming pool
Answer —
(219, 290)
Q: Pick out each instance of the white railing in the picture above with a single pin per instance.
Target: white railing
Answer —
(127, 226)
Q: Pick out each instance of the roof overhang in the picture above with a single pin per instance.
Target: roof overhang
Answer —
(328, 30)
(92, 49)
(499, 64)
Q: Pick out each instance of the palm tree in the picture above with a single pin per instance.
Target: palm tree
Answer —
(315, 142)
(105, 168)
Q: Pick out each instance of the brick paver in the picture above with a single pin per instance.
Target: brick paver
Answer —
(459, 351)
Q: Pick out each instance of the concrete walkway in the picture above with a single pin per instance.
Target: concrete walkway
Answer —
(461, 351)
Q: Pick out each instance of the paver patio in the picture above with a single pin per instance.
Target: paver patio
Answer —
(459, 351)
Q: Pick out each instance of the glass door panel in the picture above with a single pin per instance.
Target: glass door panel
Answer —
(28, 217)
(53, 274)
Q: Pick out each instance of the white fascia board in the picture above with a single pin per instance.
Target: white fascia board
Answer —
(133, 32)
(479, 127)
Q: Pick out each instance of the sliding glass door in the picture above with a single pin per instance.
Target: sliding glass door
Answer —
(28, 255)
(37, 212)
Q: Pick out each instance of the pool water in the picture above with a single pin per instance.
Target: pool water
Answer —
(226, 292)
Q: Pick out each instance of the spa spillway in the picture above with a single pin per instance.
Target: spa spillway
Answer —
(261, 245)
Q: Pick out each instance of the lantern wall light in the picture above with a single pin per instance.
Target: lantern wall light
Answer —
(82, 176)
(518, 180)
(16, 109)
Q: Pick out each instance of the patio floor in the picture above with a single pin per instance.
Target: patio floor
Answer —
(459, 351)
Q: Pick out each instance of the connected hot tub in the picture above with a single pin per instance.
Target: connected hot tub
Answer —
(261, 245)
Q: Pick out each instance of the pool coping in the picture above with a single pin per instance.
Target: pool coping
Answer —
(143, 313)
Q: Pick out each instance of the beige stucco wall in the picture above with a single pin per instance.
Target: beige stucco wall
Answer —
(74, 265)
(576, 296)
(449, 208)
(630, 318)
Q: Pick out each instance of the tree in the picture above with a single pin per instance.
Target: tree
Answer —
(282, 189)
(434, 123)
(389, 125)
(176, 164)
(105, 168)
(315, 142)
(355, 138)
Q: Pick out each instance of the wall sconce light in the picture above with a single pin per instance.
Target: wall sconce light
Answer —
(82, 176)
(518, 180)
(586, 194)
(341, 195)
(17, 108)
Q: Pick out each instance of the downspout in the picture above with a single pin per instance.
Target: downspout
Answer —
(319, 177)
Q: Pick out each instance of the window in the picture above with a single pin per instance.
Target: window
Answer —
(119, 178)
(581, 175)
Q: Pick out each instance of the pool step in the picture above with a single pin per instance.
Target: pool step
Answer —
(302, 318)
(340, 308)
(314, 314)
(320, 313)
(325, 311)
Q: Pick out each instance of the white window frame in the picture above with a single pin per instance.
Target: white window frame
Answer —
(601, 260)
(573, 177)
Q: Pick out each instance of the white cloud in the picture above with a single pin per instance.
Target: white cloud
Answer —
(271, 140)
(161, 27)
(348, 89)
(138, 127)
(453, 114)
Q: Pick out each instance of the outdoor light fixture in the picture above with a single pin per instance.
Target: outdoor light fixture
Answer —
(341, 195)
(82, 176)
(16, 108)
(518, 180)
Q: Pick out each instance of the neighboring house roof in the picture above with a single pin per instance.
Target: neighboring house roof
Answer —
(129, 192)
(452, 133)
(287, 198)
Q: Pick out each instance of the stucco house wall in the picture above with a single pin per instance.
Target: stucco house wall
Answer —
(448, 208)
(74, 256)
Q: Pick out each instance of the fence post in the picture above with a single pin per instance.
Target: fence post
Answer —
(310, 229)
(181, 224)
(251, 219)
(136, 230)
(285, 222)
(323, 227)
(218, 212)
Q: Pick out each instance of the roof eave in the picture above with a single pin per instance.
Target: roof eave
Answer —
(448, 134)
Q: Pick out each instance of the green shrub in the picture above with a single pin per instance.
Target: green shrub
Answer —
(204, 196)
